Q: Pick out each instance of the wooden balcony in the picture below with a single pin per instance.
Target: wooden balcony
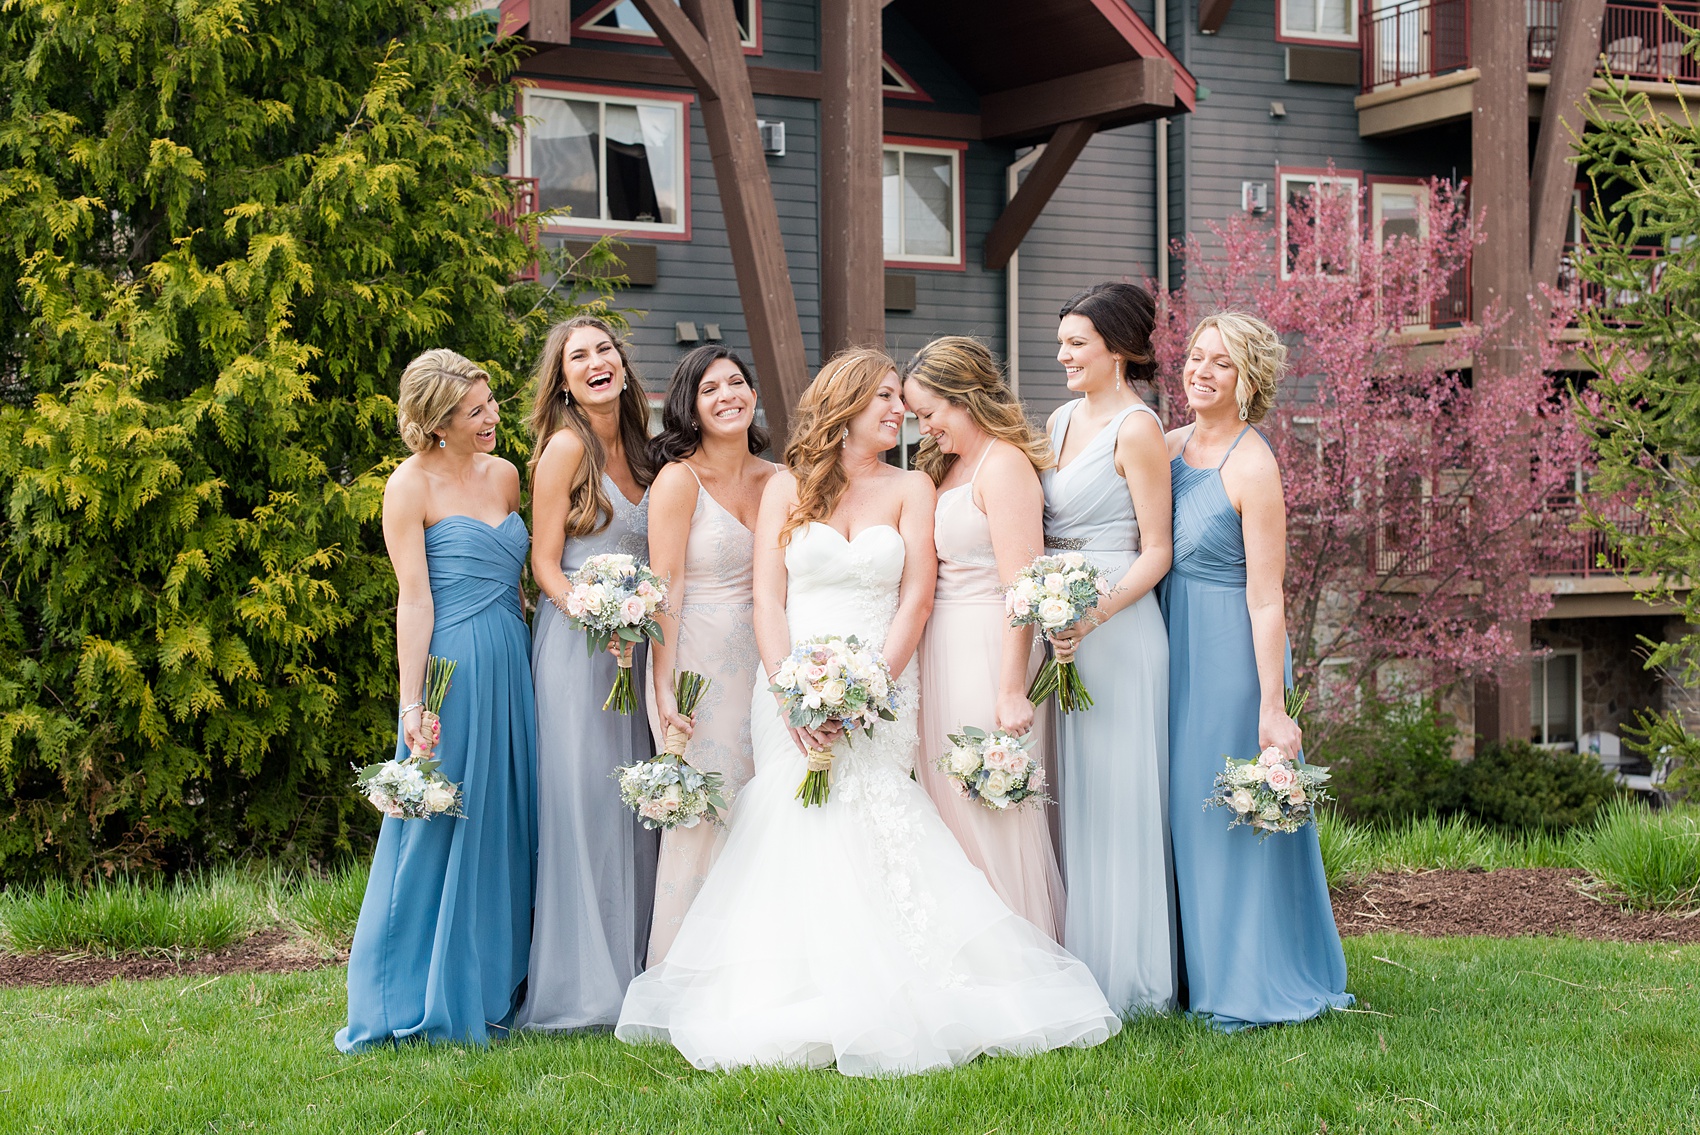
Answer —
(1418, 72)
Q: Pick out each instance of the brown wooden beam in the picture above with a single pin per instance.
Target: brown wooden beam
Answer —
(1112, 96)
(852, 234)
(708, 40)
(932, 123)
(1574, 57)
(1212, 14)
(1041, 182)
(659, 71)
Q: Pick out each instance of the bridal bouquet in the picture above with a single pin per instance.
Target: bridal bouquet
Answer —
(1051, 593)
(412, 788)
(1272, 793)
(665, 791)
(829, 678)
(999, 769)
(614, 597)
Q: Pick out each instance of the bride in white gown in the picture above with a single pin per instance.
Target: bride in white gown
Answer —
(858, 932)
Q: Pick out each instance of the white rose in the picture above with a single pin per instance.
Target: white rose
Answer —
(963, 761)
(997, 783)
(1073, 559)
(672, 795)
(1055, 583)
(1053, 613)
(832, 691)
(439, 798)
(1243, 801)
(811, 699)
(1273, 814)
(1027, 589)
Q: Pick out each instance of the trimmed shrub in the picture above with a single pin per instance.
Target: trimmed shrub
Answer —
(1515, 785)
(1394, 763)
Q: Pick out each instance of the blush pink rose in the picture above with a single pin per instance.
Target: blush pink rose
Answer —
(1281, 778)
(575, 604)
(632, 610)
(1271, 756)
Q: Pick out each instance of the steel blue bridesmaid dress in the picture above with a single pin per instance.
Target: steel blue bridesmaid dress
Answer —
(1257, 930)
(1112, 759)
(445, 927)
(596, 864)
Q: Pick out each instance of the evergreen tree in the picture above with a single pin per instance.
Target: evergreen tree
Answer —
(225, 227)
(1642, 254)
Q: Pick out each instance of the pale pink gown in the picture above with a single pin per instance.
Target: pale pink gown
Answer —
(717, 639)
(961, 658)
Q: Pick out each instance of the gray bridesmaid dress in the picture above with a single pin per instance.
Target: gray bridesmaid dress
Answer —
(595, 862)
(1113, 759)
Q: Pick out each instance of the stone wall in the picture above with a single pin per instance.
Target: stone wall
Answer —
(1615, 680)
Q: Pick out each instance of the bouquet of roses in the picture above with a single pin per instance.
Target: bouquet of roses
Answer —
(612, 598)
(1273, 792)
(665, 791)
(412, 788)
(1051, 593)
(831, 678)
(998, 768)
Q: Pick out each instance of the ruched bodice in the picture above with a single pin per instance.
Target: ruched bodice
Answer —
(1209, 544)
(627, 532)
(1087, 507)
(719, 556)
(473, 566)
(839, 586)
(968, 568)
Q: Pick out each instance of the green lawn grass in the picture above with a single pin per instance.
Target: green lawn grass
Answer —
(1467, 1035)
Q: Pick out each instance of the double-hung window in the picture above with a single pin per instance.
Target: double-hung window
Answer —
(1324, 21)
(1317, 195)
(606, 162)
(922, 204)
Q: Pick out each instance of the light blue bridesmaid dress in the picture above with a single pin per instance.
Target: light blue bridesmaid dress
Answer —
(1112, 759)
(1257, 930)
(445, 928)
(596, 863)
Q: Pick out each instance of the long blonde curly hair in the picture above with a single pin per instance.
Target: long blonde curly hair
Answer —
(961, 370)
(589, 508)
(843, 388)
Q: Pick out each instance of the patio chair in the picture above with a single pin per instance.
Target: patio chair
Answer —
(1653, 784)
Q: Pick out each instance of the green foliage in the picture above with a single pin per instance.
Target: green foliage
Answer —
(326, 908)
(1652, 859)
(1515, 785)
(1393, 761)
(1664, 736)
(225, 226)
(1642, 247)
(126, 916)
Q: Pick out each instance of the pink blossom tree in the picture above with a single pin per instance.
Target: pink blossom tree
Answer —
(1412, 481)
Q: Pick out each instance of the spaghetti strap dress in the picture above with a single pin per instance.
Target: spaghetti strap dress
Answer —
(445, 928)
(961, 661)
(1257, 929)
(595, 863)
(1112, 759)
(717, 639)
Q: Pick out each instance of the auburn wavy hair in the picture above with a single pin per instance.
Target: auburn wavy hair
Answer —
(961, 370)
(589, 509)
(842, 389)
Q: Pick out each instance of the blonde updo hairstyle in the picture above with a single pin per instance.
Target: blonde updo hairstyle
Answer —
(1258, 355)
(431, 387)
(843, 388)
(589, 509)
(961, 370)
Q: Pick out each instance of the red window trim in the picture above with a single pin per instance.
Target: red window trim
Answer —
(916, 95)
(581, 28)
(1355, 175)
(614, 228)
(961, 264)
(1316, 41)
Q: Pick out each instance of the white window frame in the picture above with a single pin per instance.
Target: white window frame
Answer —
(1285, 34)
(1538, 695)
(903, 259)
(600, 224)
(1286, 177)
(1377, 190)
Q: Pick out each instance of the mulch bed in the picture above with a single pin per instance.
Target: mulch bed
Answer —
(270, 951)
(1508, 903)
(1434, 904)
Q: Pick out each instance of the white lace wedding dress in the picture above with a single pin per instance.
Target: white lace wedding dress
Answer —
(858, 932)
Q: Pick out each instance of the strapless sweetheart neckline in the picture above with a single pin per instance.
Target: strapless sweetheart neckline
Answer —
(851, 540)
(475, 519)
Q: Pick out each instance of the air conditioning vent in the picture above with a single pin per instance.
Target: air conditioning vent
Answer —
(772, 138)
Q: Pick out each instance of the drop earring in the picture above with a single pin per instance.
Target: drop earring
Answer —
(1118, 374)
(566, 396)
(1245, 415)
(845, 440)
(442, 443)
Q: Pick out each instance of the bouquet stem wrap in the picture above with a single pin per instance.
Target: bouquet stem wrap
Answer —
(666, 791)
(1060, 676)
(613, 599)
(1053, 593)
(623, 698)
(829, 679)
(817, 783)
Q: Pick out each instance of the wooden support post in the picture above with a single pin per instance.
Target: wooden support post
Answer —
(852, 266)
(1499, 193)
(1574, 57)
(1042, 181)
(704, 40)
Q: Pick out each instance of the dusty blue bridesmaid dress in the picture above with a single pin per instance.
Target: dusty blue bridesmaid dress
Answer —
(445, 927)
(1257, 931)
(596, 863)
(1112, 759)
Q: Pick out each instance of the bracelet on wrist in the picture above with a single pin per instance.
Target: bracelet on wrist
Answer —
(410, 707)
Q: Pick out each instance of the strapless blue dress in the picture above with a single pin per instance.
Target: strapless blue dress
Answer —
(1258, 943)
(445, 927)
